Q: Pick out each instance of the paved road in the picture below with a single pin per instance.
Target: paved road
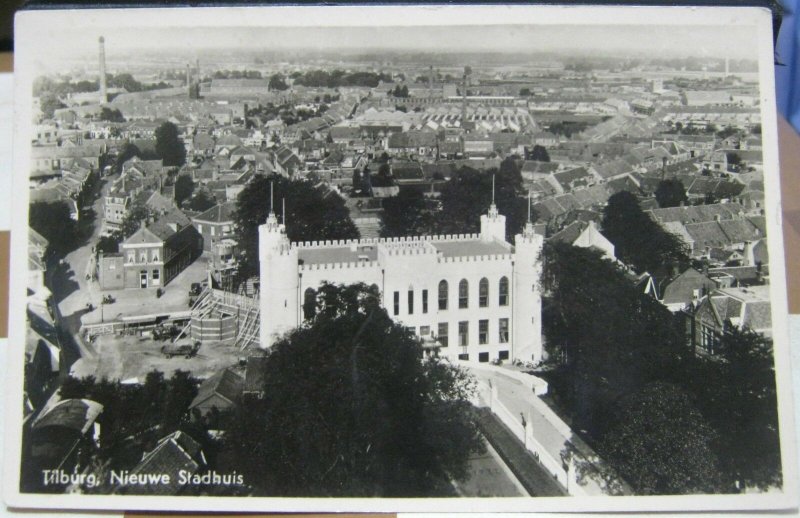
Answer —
(518, 398)
(533, 477)
(71, 290)
(489, 476)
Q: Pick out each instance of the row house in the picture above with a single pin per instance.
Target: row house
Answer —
(154, 255)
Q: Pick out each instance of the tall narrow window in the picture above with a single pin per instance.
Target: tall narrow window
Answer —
(503, 337)
(442, 295)
(424, 301)
(444, 330)
(483, 293)
(503, 291)
(309, 304)
(483, 332)
(463, 294)
(410, 302)
(463, 334)
(396, 303)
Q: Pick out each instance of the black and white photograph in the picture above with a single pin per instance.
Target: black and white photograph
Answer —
(442, 258)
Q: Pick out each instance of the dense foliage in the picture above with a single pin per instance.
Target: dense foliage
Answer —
(350, 408)
(337, 78)
(638, 240)
(670, 193)
(312, 214)
(667, 421)
(169, 146)
(54, 222)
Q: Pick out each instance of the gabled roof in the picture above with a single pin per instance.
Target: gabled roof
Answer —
(173, 453)
(254, 374)
(220, 213)
(226, 384)
(75, 414)
(682, 288)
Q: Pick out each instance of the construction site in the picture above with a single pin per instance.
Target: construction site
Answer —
(223, 327)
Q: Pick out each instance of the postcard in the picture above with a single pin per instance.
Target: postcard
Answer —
(397, 259)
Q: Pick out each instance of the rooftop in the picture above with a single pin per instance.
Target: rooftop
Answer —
(471, 247)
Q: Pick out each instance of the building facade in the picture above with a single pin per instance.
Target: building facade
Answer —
(475, 297)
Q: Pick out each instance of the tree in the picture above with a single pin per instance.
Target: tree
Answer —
(278, 82)
(351, 408)
(127, 152)
(661, 444)
(524, 92)
(137, 213)
(111, 115)
(540, 154)
(109, 244)
(670, 193)
(184, 187)
(468, 195)
(400, 91)
(311, 214)
(201, 201)
(741, 405)
(734, 161)
(406, 214)
(169, 145)
(638, 240)
(136, 416)
(49, 104)
(607, 338)
(53, 220)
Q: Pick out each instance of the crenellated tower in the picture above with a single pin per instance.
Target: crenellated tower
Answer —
(526, 295)
(493, 224)
(279, 281)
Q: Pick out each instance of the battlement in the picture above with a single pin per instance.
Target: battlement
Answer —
(384, 240)
(337, 266)
(477, 258)
(410, 248)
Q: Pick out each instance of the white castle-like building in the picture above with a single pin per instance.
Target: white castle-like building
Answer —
(475, 297)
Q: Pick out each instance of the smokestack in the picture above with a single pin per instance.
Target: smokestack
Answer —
(467, 71)
(103, 86)
(430, 79)
(189, 80)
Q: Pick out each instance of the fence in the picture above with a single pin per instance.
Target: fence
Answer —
(567, 458)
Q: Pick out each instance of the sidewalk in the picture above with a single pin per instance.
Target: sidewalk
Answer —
(524, 466)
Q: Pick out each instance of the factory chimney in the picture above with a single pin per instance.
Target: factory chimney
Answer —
(464, 86)
(430, 80)
(103, 86)
(189, 80)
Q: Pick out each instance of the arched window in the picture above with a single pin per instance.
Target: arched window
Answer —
(483, 293)
(309, 304)
(463, 294)
(503, 291)
(442, 295)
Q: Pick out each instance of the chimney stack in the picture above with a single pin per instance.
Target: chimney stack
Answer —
(103, 86)
(467, 72)
(189, 80)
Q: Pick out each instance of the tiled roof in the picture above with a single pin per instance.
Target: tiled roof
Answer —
(75, 414)
(226, 384)
(220, 213)
(682, 288)
(175, 452)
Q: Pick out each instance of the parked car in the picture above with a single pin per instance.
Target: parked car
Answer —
(181, 348)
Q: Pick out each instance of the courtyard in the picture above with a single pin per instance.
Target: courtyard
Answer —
(145, 301)
(129, 358)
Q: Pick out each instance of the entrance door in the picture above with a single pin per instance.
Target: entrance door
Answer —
(143, 279)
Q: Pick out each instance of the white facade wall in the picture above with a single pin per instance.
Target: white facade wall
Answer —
(407, 271)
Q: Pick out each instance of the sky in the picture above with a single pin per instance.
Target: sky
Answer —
(55, 37)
